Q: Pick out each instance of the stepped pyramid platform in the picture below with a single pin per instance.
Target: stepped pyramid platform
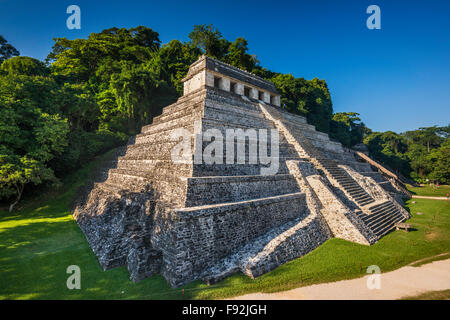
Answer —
(189, 217)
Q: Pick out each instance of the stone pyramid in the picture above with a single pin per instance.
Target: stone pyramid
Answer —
(206, 218)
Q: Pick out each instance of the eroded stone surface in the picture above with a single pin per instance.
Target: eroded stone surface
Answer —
(190, 221)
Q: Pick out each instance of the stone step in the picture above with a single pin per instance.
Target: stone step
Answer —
(315, 136)
(346, 181)
(365, 202)
(185, 110)
(123, 176)
(189, 117)
(226, 98)
(356, 194)
(352, 187)
(381, 207)
(298, 127)
(183, 102)
(109, 188)
(372, 218)
(164, 187)
(380, 233)
(380, 204)
(150, 149)
(359, 195)
(361, 198)
(326, 160)
(222, 189)
(222, 125)
(349, 185)
(230, 113)
(289, 116)
(338, 173)
(389, 221)
(295, 200)
(382, 220)
(163, 133)
(156, 166)
(201, 170)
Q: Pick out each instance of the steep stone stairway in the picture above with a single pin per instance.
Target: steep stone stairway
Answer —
(292, 129)
(355, 191)
(382, 218)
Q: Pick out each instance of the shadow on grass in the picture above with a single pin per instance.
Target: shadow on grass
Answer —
(35, 257)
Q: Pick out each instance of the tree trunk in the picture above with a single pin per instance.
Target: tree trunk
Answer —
(19, 195)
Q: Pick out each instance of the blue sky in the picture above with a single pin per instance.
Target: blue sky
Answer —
(397, 78)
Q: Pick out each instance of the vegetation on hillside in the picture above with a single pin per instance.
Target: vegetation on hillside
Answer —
(423, 154)
(90, 95)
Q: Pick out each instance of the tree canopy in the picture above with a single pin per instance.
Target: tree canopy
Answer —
(6, 50)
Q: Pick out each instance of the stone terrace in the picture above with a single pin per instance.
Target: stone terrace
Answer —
(193, 220)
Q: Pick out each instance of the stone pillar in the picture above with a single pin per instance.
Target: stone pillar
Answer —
(224, 84)
(209, 79)
(195, 82)
(254, 93)
(276, 101)
(266, 97)
(239, 89)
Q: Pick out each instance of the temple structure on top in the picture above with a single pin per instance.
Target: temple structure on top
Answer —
(208, 219)
(213, 73)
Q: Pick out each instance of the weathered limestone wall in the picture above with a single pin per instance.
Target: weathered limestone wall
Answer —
(303, 237)
(298, 239)
(204, 235)
(367, 183)
(376, 191)
(340, 219)
(197, 81)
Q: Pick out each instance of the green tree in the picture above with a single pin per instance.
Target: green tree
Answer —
(237, 55)
(16, 172)
(29, 137)
(176, 57)
(24, 66)
(389, 148)
(440, 157)
(309, 98)
(210, 40)
(6, 50)
(347, 128)
(429, 137)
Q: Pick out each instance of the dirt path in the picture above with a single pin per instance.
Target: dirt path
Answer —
(406, 281)
(429, 197)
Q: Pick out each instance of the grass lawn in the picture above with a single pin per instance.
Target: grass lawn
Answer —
(432, 191)
(40, 241)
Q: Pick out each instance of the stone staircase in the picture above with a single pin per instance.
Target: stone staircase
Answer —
(382, 218)
(378, 218)
(347, 183)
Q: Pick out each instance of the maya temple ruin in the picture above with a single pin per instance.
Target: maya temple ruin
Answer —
(197, 220)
